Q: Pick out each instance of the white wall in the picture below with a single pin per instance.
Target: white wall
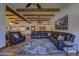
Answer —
(2, 25)
(73, 20)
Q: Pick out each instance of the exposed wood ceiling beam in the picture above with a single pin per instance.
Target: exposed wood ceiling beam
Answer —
(32, 19)
(29, 18)
(38, 10)
(35, 20)
(9, 9)
(14, 18)
(32, 15)
(10, 15)
(38, 15)
(38, 18)
(18, 20)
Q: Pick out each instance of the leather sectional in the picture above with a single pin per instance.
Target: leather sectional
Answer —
(53, 37)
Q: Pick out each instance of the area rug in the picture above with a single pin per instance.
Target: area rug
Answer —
(40, 47)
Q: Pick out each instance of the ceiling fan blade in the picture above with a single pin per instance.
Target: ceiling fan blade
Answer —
(38, 6)
(28, 4)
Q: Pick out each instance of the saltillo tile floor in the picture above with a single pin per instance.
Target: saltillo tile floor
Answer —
(11, 51)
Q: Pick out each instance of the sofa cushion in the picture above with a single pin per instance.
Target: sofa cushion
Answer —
(70, 50)
(16, 35)
(72, 38)
(68, 37)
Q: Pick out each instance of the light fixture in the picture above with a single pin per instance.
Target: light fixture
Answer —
(10, 23)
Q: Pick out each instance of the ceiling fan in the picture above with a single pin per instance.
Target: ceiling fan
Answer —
(37, 5)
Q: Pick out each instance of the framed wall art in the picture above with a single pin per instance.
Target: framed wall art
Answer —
(62, 23)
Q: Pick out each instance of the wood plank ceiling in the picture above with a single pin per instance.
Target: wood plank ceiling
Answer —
(15, 13)
(32, 17)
